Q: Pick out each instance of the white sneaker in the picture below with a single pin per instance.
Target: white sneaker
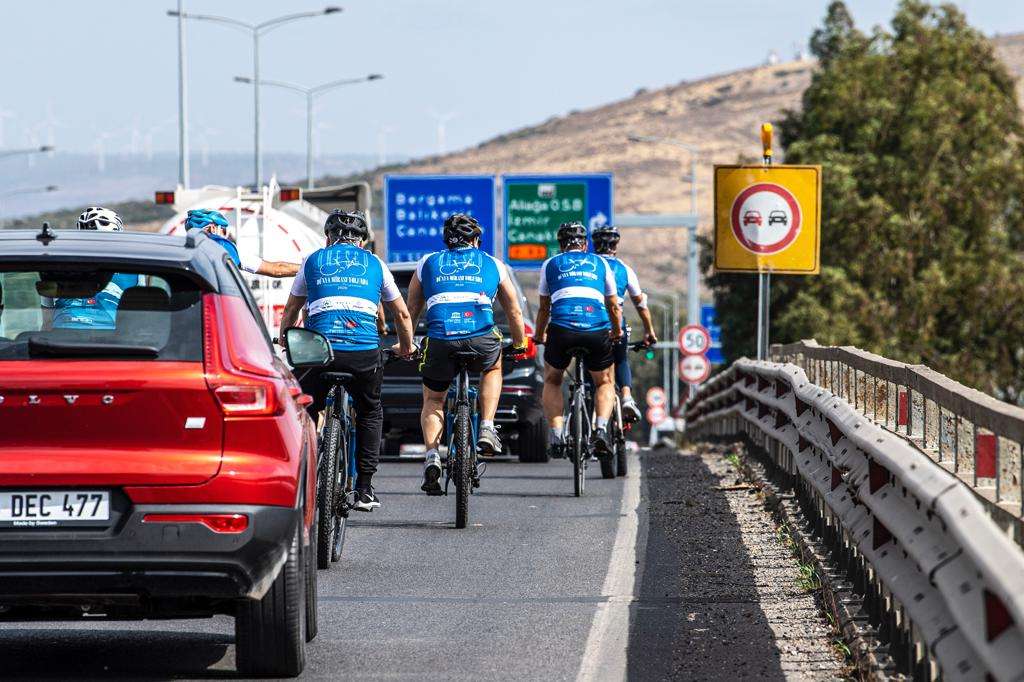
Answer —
(432, 473)
(630, 412)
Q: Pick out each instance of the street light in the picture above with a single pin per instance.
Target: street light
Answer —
(311, 94)
(4, 153)
(26, 190)
(255, 30)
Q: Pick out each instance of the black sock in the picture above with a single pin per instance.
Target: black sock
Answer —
(363, 482)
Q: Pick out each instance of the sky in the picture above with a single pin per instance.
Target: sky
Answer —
(104, 72)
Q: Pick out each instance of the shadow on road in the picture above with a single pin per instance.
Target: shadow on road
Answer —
(697, 614)
(67, 652)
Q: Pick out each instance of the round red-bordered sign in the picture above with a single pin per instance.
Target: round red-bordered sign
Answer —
(765, 218)
(694, 369)
(694, 339)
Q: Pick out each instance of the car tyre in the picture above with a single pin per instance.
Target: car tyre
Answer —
(533, 441)
(270, 638)
(312, 626)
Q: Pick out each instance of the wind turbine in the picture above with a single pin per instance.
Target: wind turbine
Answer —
(101, 150)
(205, 133)
(51, 123)
(382, 143)
(442, 123)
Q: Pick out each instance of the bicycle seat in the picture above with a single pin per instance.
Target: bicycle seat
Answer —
(337, 377)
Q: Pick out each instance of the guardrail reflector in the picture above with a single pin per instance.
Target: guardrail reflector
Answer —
(985, 455)
(902, 409)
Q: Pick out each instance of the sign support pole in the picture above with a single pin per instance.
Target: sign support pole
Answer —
(764, 279)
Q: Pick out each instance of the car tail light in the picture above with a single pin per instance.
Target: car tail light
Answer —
(244, 398)
(218, 523)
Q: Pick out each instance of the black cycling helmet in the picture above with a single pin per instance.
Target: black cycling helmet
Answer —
(605, 238)
(347, 226)
(460, 230)
(571, 234)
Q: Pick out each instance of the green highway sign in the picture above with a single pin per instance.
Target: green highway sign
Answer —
(536, 205)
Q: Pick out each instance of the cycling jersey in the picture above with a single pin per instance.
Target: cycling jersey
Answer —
(459, 286)
(577, 283)
(94, 312)
(343, 285)
(249, 262)
(625, 280)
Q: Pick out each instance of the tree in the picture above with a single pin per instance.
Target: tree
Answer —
(919, 134)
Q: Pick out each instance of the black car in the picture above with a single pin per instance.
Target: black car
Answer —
(523, 428)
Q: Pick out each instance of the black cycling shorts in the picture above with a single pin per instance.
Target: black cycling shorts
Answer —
(439, 366)
(598, 347)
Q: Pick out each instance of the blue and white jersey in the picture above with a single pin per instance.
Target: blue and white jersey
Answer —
(625, 280)
(249, 262)
(577, 283)
(459, 286)
(94, 312)
(343, 285)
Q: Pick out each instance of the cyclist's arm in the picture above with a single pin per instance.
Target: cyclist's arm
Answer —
(392, 295)
(382, 323)
(290, 317)
(510, 304)
(415, 300)
(543, 316)
(277, 268)
(611, 301)
(645, 316)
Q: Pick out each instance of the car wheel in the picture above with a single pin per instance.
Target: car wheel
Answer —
(533, 441)
(270, 637)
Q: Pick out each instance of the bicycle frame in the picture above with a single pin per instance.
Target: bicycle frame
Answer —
(460, 393)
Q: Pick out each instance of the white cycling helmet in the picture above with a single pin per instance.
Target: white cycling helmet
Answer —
(99, 218)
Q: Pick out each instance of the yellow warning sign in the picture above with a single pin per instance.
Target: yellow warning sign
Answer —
(768, 219)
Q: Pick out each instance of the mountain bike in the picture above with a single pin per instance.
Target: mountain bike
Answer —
(577, 417)
(336, 466)
(461, 423)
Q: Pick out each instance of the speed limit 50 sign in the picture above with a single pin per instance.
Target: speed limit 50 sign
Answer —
(694, 339)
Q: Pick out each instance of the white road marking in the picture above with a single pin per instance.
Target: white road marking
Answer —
(604, 657)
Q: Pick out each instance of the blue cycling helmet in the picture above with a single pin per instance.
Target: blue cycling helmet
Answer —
(205, 217)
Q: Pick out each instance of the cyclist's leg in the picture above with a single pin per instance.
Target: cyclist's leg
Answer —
(599, 364)
(556, 360)
(437, 372)
(365, 387)
(314, 385)
(489, 365)
(624, 379)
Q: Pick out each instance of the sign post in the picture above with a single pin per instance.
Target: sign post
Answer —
(535, 205)
(415, 208)
(767, 219)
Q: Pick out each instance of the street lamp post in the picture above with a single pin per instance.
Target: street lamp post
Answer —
(692, 279)
(25, 190)
(255, 30)
(4, 153)
(310, 95)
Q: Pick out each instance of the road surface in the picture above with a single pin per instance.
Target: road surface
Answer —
(675, 574)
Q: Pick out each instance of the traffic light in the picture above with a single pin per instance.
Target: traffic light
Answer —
(649, 354)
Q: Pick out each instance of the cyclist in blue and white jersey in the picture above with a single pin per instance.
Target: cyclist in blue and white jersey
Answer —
(457, 286)
(579, 308)
(216, 227)
(342, 286)
(100, 310)
(606, 242)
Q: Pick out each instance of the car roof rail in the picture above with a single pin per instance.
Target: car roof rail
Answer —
(190, 238)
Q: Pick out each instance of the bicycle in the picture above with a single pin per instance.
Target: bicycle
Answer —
(613, 466)
(336, 462)
(462, 421)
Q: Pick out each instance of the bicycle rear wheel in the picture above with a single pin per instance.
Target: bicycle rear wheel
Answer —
(608, 463)
(341, 491)
(327, 473)
(579, 469)
(463, 466)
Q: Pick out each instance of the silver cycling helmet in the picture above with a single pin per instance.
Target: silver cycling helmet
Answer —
(99, 218)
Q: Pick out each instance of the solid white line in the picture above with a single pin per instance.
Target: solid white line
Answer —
(604, 657)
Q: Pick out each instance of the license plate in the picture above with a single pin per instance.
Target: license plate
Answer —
(47, 508)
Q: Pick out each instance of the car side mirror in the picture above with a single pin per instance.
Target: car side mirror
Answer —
(307, 348)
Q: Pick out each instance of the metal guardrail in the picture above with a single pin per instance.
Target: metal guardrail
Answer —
(943, 582)
(972, 435)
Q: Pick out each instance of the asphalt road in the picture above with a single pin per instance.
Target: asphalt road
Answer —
(542, 586)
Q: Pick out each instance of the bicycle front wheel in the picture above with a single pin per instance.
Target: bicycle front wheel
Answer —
(327, 473)
(463, 466)
(341, 490)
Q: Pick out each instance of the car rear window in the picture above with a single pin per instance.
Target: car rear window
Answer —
(69, 312)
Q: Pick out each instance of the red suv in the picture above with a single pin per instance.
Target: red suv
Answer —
(157, 460)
